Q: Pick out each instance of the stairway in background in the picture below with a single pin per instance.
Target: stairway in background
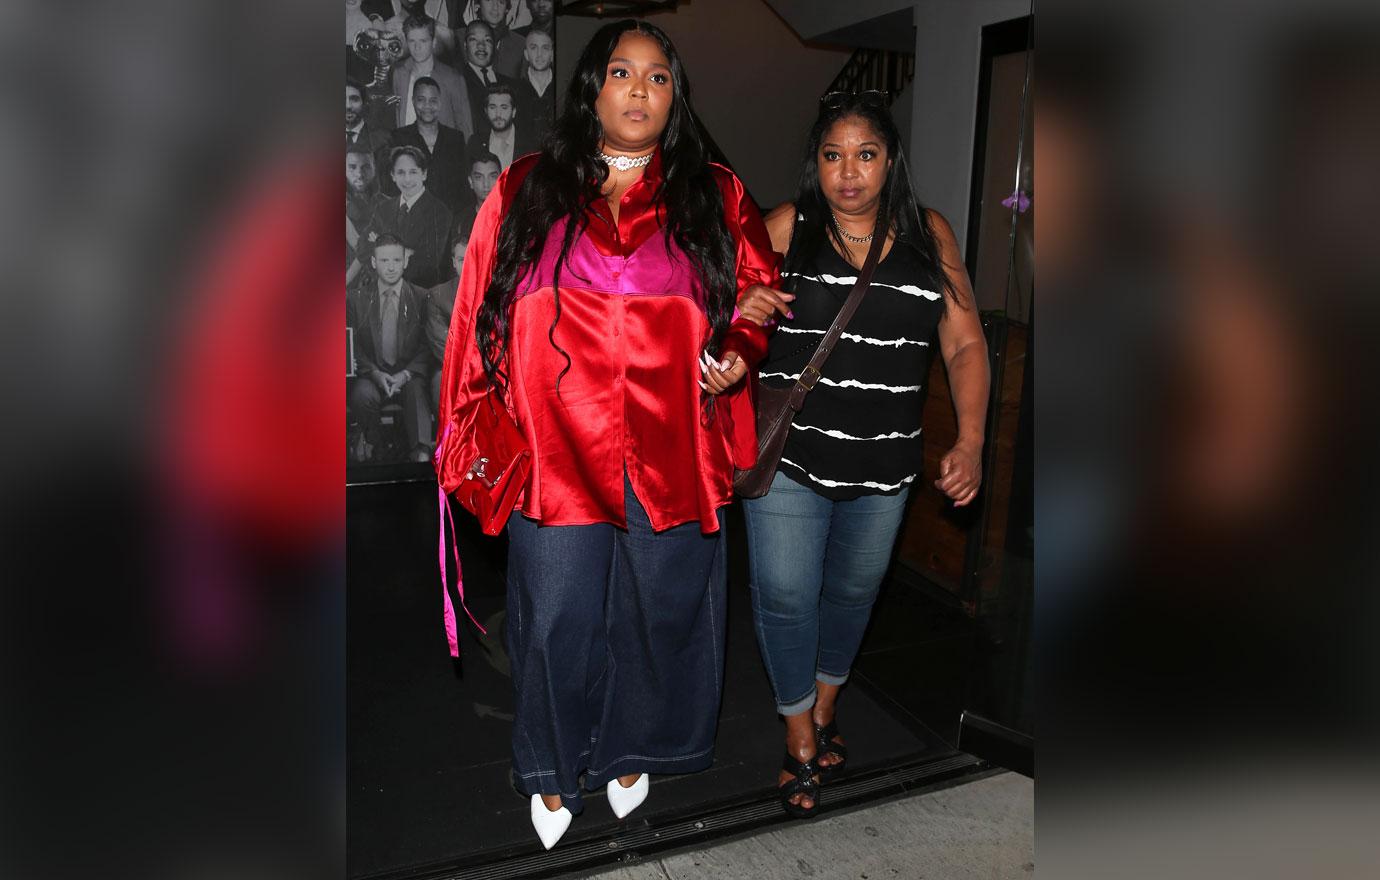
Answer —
(882, 69)
(882, 32)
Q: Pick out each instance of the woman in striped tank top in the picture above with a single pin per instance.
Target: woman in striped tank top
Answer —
(821, 539)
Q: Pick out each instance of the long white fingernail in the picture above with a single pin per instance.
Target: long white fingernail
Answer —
(703, 387)
(723, 364)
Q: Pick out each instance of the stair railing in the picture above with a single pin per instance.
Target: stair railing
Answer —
(880, 69)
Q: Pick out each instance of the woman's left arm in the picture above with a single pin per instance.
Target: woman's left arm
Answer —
(964, 348)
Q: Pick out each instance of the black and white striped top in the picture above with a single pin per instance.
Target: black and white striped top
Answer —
(859, 431)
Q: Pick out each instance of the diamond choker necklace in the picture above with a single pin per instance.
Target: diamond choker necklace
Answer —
(623, 163)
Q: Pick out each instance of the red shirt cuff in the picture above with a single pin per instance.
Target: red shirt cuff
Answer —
(748, 339)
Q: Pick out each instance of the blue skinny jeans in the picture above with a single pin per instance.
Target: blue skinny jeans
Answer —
(815, 567)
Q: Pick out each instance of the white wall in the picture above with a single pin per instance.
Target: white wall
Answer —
(948, 42)
(755, 85)
(811, 18)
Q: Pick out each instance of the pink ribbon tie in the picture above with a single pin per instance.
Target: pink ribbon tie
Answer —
(448, 608)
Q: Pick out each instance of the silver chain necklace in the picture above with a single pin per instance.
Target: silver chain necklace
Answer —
(856, 239)
(623, 163)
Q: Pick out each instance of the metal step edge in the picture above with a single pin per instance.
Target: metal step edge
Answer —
(626, 846)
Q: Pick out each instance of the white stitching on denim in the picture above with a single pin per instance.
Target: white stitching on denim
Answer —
(583, 754)
(574, 797)
(614, 762)
(719, 545)
(526, 735)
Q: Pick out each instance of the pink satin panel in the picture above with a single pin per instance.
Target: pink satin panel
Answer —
(632, 323)
(651, 269)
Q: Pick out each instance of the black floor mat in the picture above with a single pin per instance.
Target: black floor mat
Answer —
(428, 748)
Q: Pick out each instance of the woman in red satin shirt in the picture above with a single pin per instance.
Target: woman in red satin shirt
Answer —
(598, 299)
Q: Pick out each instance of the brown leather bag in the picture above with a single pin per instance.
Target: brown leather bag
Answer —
(776, 407)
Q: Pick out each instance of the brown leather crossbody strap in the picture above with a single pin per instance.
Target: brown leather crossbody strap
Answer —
(809, 376)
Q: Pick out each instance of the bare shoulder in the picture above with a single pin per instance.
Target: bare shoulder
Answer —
(943, 232)
(780, 223)
(952, 260)
(946, 241)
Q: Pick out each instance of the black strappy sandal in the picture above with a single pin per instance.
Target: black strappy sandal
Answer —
(824, 741)
(803, 783)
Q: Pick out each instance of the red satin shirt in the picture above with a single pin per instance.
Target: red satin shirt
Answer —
(633, 322)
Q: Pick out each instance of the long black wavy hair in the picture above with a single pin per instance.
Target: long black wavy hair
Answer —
(897, 207)
(566, 180)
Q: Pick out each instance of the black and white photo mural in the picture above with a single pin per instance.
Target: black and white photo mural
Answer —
(440, 97)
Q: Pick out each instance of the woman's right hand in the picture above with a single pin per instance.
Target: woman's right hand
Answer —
(723, 375)
(761, 304)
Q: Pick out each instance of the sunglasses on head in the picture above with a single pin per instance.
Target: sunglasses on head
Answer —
(867, 98)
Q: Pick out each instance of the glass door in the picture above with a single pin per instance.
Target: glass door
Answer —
(962, 578)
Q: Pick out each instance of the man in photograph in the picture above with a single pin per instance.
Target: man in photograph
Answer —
(358, 131)
(416, 217)
(508, 46)
(360, 192)
(440, 303)
(391, 353)
(543, 17)
(444, 146)
(446, 14)
(536, 93)
(483, 176)
(504, 135)
(455, 110)
(478, 70)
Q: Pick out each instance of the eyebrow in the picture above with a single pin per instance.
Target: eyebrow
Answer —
(863, 144)
(630, 61)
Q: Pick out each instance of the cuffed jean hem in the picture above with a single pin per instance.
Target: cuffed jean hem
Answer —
(827, 678)
(808, 702)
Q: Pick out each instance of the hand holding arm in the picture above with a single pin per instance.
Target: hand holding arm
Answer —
(761, 304)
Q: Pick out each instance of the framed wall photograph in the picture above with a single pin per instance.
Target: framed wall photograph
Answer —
(440, 97)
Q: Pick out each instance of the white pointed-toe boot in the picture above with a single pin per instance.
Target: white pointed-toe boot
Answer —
(550, 825)
(625, 800)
